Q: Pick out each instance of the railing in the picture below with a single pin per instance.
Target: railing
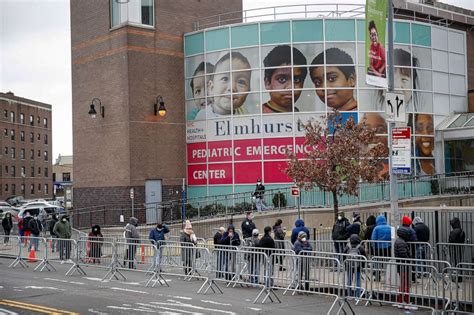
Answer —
(322, 10)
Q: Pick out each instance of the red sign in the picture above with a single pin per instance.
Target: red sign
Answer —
(401, 133)
(295, 191)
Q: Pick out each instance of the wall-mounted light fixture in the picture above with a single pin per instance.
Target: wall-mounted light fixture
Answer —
(92, 111)
(159, 106)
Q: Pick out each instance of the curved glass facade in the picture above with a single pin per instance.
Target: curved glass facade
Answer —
(248, 85)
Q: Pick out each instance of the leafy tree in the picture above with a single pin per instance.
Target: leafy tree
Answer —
(341, 153)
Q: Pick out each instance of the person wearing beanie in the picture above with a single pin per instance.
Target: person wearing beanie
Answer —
(247, 225)
(370, 222)
(156, 237)
(267, 244)
(456, 236)
(279, 235)
(253, 258)
(302, 246)
(96, 240)
(230, 238)
(354, 267)
(406, 222)
(217, 242)
(422, 250)
(403, 252)
(355, 227)
(188, 240)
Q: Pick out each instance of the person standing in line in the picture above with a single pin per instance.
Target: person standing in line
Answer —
(95, 239)
(26, 226)
(230, 238)
(422, 251)
(382, 234)
(252, 257)
(302, 246)
(247, 225)
(339, 232)
(267, 244)
(402, 250)
(7, 224)
(131, 236)
(370, 223)
(156, 236)
(188, 240)
(219, 256)
(299, 227)
(258, 194)
(356, 225)
(354, 248)
(279, 234)
(456, 236)
(35, 228)
(51, 223)
(64, 232)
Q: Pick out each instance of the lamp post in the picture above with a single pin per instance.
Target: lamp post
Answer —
(159, 106)
(92, 111)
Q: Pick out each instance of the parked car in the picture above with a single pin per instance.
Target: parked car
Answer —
(5, 207)
(14, 200)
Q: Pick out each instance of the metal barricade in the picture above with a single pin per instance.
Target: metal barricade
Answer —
(398, 287)
(92, 253)
(10, 246)
(184, 260)
(460, 295)
(329, 246)
(377, 248)
(455, 253)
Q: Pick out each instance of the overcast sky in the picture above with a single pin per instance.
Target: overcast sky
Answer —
(35, 54)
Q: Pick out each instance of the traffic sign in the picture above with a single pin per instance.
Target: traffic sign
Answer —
(401, 150)
(395, 107)
(295, 191)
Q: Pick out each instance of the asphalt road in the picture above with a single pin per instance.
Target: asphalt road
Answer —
(23, 291)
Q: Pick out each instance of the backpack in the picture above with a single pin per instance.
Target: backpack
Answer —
(363, 231)
(354, 251)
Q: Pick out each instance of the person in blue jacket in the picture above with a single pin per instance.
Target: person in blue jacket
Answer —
(382, 232)
(156, 235)
(299, 226)
(230, 238)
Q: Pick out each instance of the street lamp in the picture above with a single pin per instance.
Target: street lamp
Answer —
(92, 111)
(159, 106)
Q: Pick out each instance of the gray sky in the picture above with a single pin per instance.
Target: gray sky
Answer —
(35, 54)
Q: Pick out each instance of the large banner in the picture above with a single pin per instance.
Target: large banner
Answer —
(375, 52)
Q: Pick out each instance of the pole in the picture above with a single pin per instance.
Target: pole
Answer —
(133, 208)
(183, 207)
(393, 177)
(299, 206)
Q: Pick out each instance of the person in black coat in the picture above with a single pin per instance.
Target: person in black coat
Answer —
(422, 250)
(218, 235)
(219, 256)
(267, 244)
(353, 228)
(230, 238)
(402, 250)
(7, 224)
(247, 226)
(457, 236)
(370, 223)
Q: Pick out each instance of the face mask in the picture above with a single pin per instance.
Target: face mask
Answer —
(64, 220)
(303, 239)
(258, 183)
(339, 218)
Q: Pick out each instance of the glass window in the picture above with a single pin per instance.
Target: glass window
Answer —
(421, 34)
(132, 12)
(194, 44)
(22, 136)
(22, 171)
(6, 169)
(12, 134)
(38, 137)
(32, 189)
(45, 155)
(45, 139)
(340, 30)
(12, 152)
(6, 187)
(66, 177)
(244, 35)
(307, 31)
(46, 189)
(12, 117)
(39, 187)
(22, 118)
(5, 132)
(22, 153)
(13, 171)
(32, 120)
(22, 187)
(13, 189)
(39, 153)
(5, 114)
(32, 171)
(39, 170)
(54, 177)
(45, 122)
(32, 154)
(46, 172)
(275, 32)
(32, 137)
(217, 39)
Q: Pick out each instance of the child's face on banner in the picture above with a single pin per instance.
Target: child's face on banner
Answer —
(335, 78)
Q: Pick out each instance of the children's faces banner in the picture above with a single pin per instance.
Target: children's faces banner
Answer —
(375, 56)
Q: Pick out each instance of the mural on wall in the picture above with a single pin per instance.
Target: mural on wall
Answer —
(249, 86)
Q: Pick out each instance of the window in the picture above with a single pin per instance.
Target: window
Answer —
(32, 120)
(132, 12)
(22, 118)
(12, 153)
(12, 134)
(32, 171)
(22, 187)
(32, 154)
(39, 153)
(22, 171)
(6, 169)
(39, 187)
(45, 122)
(5, 114)
(22, 153)
(32, 137)
(5, 132)
(32, 189)
(46, 189)
(6, 187)
(12, 117)
(39, 137)
(13, 189)
(45, 155)
(38, 120)
(5, 152)
(45, 139)
(54, 177)
(22, 136)
(66, 177)
(45, 172)
(39, 171)
(13, 170)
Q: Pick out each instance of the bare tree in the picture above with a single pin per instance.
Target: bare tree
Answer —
(341, 154)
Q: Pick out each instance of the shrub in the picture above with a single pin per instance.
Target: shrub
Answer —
(279, 200)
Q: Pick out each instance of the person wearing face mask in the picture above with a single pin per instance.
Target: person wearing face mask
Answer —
(258, 195)
(302, 246)
(64, 232)
(131, 236)
(36, 228)
(7, 224)
(156, 236)
(247, 225)
(299, 227)
(339, 233)
(95, 239)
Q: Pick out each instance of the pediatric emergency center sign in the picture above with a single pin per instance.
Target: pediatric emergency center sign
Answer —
(233, 155)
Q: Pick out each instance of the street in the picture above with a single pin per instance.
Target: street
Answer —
(58, 294)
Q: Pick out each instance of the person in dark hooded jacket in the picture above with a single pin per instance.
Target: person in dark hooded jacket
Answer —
(456, 236)
(7, 224)
(370, 222)
(339, 233)
(95, 239)
(299, 226)
(354, 267)
(247, 225)
(131, 235)
(230, 238)
(402, 250)
(51, 223)
(422, 250)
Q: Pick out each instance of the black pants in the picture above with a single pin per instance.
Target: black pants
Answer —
(64, 250)
(7, 238)
(130, 255)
